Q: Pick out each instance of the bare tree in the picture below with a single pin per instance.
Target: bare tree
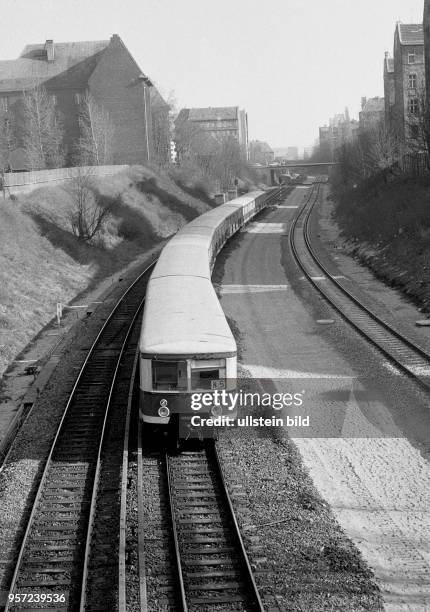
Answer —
(161, 126)
(96, 143)
(385, 150)
(87, 215)
(227, 162)
(7, 138)
(418, 126)
(43, 133)
(190, 138)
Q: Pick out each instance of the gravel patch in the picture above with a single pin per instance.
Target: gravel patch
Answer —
(302, 558)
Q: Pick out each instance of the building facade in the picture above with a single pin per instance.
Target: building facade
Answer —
(340, 129)
(372, 114)
(404, 82)
(105, 69)
(219, 122)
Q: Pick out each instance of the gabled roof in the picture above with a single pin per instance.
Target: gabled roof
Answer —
(411, 33)
(221, 113)
(33, 66)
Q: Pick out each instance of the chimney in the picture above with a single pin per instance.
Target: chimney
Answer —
(49, 48)
(386, 54)
(363, 102)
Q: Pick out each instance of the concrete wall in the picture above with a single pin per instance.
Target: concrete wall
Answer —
(22, 182)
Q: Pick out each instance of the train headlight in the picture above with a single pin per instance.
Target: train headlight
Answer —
(216, 410)
(163, 410)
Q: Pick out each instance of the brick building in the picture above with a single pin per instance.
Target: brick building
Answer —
(219, 122)
(340, 129)
(108, 71)
(372, 114)
(389, 90)
(404, 81)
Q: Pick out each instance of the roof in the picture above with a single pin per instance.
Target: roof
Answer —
(183, 316)
(182, 313)
(411, 33)
(221, 113)
(374, 105)
(32, 66)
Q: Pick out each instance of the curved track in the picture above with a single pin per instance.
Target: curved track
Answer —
(400, 350)
(208, 565)
(69, 551)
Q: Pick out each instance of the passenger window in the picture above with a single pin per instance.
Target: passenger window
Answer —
(169, 375)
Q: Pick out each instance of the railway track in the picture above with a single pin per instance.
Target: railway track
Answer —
(402, 352)
(69, 557)
(192, 556)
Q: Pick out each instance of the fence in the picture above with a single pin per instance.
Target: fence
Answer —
(21, 182)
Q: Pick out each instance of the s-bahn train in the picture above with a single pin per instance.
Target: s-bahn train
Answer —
(186, 346)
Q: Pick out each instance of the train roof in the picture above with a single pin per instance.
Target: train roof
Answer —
(184, 319)
(184, 258)
(182, 315)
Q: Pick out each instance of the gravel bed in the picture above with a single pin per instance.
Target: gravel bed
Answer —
(20, 475)
(131, 559)
(157, 542)
(302, 558)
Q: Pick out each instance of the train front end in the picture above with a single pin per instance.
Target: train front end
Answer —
(188, 359)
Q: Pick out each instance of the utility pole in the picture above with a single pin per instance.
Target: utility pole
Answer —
(146, 83)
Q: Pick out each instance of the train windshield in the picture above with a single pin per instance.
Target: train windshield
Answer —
(208, 375)
(169, 375)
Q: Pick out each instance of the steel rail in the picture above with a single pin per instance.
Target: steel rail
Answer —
(252, 596)
(122, 595)
(95, 490)
(251, 578)
(305, 213)
(179, 574)
(47, 465)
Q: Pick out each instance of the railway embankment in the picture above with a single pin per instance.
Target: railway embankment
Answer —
(387, 228)
(43, 262)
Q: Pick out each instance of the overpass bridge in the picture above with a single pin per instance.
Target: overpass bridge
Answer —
(294, 164)
(273, 171)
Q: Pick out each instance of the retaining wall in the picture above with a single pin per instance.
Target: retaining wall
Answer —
(22, 182)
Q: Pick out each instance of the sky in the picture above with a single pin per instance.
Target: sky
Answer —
(291, 64)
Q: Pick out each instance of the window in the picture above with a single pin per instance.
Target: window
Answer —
(169, 375)
(411, 57)
(414, 132)
(205, 379)
(78, 98)
(4, 104)
(54, 98)
(413, 106)
(208, 374)
(412, 81)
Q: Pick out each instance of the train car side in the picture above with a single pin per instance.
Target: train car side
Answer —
(186, 345)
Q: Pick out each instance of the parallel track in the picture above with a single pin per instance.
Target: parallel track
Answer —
(397, 348)
(209, 568)
(68, 546)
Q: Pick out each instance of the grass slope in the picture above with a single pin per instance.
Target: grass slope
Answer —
(388, 226)
(42, 262)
